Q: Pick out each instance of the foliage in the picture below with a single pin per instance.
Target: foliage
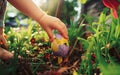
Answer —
(98, 53)
(94, 48)
(20, 43)
(68, 10)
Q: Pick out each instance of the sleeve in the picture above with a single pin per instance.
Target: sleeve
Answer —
(3, 4)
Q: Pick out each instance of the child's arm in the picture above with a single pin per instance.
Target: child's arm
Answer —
(48, 23)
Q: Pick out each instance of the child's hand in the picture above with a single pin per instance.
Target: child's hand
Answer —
(5, 55)
(50, 23)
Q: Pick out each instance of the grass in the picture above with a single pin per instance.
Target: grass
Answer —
(104, 39)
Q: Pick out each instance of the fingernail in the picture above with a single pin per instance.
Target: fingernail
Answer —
(66, 37)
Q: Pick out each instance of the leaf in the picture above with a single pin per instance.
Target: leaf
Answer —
(60, 60)
(82, 1)
(75, 73)
(83, 41)
(102, 17)
(63, 69)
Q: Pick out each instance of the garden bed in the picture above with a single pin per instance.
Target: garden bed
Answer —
(94, 48)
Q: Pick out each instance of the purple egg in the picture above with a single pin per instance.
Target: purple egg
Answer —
(58, 36)
(62, 50)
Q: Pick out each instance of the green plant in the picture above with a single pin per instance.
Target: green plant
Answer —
(105, 37)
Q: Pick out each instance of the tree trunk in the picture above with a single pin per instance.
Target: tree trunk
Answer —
(58, 11)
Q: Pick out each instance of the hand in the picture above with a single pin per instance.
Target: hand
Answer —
(50, 23)
(5, 55)
(2, 38)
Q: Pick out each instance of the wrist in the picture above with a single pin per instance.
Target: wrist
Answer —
(42, 19)
(40, 16)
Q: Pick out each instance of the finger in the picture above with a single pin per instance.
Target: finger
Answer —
(63, 30)
(50, 34)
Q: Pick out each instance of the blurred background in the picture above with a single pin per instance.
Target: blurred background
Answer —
(66, 10)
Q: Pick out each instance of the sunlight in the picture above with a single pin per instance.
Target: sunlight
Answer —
(39, 2)
(47, 5)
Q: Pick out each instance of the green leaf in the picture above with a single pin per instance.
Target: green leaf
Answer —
(118, 0)
(102, 18)
(83, 41)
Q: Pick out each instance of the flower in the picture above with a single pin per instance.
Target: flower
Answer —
(47, 55)
(114, 5)
(33, 40)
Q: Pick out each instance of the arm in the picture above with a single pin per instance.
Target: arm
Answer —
(48, 23)
(28, 8)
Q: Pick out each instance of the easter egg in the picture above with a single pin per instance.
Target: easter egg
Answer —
(60, 46)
